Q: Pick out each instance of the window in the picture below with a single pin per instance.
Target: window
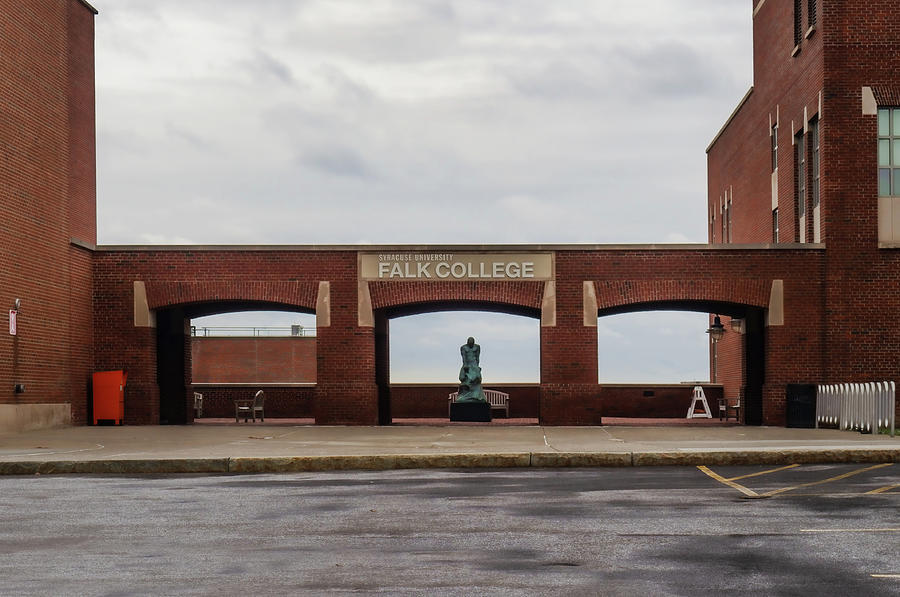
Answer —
(889, 152)
(775, 225)
(811, 13)
(798, 22)
(730, 233)
(814, 147)
(725, 219)
(801, 182)
(774, 147)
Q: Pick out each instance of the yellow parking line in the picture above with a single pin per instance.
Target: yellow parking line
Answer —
(829, 480)
(729, 482)
(774, 470)
(850, 530)
(885, 575)
(884, 489)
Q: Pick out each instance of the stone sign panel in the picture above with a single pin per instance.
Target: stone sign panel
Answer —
(461, 267)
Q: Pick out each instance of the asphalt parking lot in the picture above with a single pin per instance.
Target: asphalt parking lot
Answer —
(820, 530)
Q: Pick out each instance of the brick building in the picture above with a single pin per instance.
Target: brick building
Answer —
(802, 248)
(811, 156)
(48, 222)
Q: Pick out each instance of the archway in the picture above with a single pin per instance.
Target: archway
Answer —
(742, 347)
(433, 399)
(173, 349)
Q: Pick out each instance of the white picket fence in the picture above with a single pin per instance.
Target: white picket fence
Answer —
(866, 407)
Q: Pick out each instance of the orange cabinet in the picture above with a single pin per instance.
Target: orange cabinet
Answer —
(109, 397)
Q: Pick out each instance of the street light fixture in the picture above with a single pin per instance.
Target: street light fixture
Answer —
(715, 331)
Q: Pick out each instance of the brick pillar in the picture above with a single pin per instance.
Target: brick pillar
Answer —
(570, 394)
(137, 355)
(346, 393)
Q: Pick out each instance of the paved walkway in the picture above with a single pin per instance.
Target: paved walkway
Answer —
(279, 446)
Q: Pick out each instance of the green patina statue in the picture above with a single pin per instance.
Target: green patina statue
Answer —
(470, 373)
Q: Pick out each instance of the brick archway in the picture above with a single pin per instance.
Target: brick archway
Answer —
(615, 295)
(398, 299)
(162, 294)
(422, 297)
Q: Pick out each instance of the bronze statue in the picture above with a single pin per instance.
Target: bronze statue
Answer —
(470, 373)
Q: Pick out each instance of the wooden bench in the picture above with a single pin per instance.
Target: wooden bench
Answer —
(497, 400)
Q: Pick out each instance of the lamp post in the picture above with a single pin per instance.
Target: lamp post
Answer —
(715, 331)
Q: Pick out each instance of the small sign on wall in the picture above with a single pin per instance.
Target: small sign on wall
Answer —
(12, 322)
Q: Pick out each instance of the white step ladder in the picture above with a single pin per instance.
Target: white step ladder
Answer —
(699, 397)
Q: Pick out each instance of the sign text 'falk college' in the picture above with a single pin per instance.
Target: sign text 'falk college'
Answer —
(456, 266)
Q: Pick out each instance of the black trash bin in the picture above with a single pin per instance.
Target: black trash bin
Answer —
(801, 405)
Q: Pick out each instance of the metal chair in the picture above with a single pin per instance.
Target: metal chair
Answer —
(248, 408)
(727, 409)
(198, 404)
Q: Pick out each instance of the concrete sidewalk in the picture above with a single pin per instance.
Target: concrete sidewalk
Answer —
(279, 447)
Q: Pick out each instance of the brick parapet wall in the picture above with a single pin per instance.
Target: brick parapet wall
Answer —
(416, 401)
(256, 359)
(290, 402)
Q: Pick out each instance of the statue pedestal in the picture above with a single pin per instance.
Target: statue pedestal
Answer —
(472, 412)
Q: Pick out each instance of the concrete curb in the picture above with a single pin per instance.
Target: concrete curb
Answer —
(250, 465)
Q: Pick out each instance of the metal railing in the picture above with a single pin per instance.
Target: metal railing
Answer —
(867, 407)
(236, 331)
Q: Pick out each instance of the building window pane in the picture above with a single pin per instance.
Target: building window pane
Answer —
(814, 142)
(896, 154)
(884, 182)
(896, 112)
(801, 175)
(811, 12)
(884, 152)
(798, 20)
(897, 181)
(884, 122)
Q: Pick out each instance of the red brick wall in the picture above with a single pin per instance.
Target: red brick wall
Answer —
(654, 401)
(415, 401)
(862, 48)
(630, 401)
(261, 360)
(47, 197)
(291, 402)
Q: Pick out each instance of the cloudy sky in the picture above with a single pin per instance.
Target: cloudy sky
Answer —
(423, 121)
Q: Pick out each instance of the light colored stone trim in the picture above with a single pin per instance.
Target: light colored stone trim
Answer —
(143, 316)
(775, 315)
(869, 105)
(775, 189)
(885, 219)
(548, 305)
(365, 316)
(430, 248)
(590, 305)
(323, 305)
(758, 7)
(30, 417)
